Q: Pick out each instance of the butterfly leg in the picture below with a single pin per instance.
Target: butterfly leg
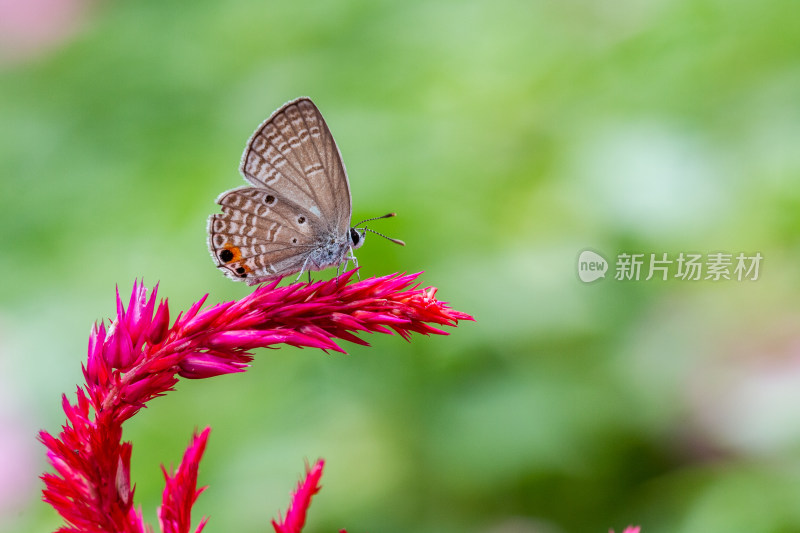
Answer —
(303, 269)
(352, 257)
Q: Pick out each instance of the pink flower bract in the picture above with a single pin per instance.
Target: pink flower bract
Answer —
(139, 356)
(301, 499)
(180, 491)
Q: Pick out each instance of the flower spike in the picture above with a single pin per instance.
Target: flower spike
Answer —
(139, 356)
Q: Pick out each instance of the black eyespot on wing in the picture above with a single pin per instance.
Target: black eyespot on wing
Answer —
(301, 220)
(269, 200)
(226, 255)
(294, 240)
(241, 271)
(354, 236)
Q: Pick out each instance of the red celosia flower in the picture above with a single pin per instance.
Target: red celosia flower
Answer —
(140, 357)
(174, 515)
(301, 499)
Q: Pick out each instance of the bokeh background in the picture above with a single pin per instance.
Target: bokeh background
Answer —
(508, 135)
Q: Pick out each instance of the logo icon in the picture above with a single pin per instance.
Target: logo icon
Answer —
(591, 266)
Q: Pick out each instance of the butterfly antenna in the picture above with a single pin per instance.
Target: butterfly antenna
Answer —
(396, 241)
(387, 215)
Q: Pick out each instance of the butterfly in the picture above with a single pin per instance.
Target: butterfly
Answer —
(295, 216)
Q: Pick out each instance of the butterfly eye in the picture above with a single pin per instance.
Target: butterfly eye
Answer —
(301, 219)
(269, 200)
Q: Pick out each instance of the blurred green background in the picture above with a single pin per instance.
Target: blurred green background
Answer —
(508, 136)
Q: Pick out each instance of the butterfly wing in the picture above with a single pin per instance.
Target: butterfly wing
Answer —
(293, 155)
(260, 236)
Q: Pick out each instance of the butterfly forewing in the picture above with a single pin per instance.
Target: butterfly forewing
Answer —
(293, 154)
(340, 201)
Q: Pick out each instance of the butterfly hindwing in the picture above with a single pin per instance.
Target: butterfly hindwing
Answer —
(259, 235)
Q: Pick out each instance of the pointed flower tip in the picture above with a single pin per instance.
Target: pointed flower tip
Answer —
(193, 310)
(180, 490)
(160, 324)
(118, 350)
(97, 337)
(136, 294)
(206, 365)
(120, 308)
(301, 499)
(151, 301)
(139, 314)
(201, 525)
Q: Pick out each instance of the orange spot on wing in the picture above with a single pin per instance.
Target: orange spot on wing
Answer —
(235, 262)
(237, 253)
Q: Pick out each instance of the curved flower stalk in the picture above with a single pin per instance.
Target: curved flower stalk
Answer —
(140, 357)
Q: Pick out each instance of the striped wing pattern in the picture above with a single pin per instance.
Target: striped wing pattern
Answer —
(293, 153)
(298, 205)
